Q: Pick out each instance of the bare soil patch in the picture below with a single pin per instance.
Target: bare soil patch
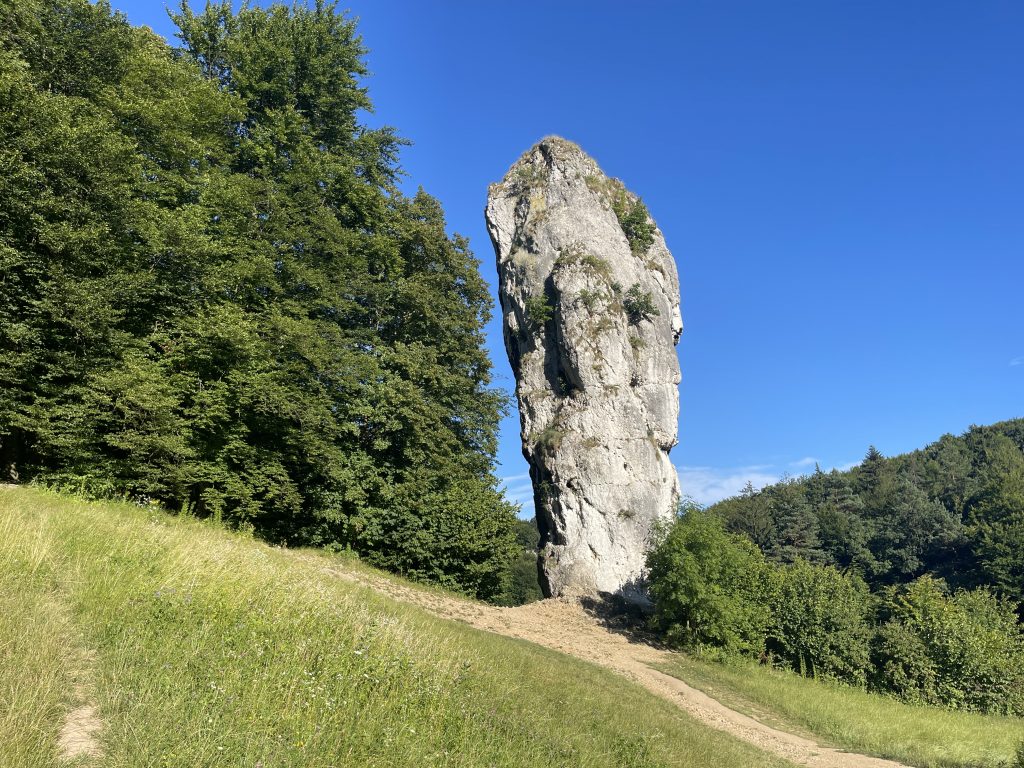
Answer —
(79, 741)
(80, 735)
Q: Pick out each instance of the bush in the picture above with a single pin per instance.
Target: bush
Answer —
(538, 311)
(821, 625)
(901, 664)
(964, 651)
(635, 222)
(710, 587)
(461, 535)
(639, 305)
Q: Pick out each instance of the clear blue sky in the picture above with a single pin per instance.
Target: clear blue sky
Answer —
(842, 185)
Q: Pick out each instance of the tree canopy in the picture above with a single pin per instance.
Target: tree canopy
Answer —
(215, 295)
(953, 510)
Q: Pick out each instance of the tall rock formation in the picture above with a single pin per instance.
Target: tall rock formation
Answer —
(590, 298)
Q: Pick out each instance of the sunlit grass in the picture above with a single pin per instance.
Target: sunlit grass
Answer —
(215, 650)
(36, 646)
(854, 719)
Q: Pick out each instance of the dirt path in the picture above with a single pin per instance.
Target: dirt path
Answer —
(78, 741)
(563, 625)
(79, 736)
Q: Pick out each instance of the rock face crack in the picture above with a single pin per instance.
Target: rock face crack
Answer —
(590, 303)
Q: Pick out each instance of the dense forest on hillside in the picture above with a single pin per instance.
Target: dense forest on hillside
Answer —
(214, 295)
(953, 510)
(904, 575)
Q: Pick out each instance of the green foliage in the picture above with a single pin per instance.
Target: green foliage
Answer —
(531, 176)
(635, 221)
(995, 517)
(215, 295)
(522, 582)
(953, 510)
(950, 510)
(539, 311)
(749, 514)
(714, 589)
(710, 588)
(822, 623)
(591, 298)
(574, 255)
(639, 305)
(549, 438)
(796, 526)
(459, 537)
(964, 651)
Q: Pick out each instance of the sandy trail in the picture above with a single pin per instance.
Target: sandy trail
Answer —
(79, 738)
(564, 625)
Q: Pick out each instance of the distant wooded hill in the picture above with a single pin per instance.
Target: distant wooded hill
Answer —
(954, 510)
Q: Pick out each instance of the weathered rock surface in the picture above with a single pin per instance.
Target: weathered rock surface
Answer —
(590, 298)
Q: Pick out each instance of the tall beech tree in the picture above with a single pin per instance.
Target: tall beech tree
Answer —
(214, 293)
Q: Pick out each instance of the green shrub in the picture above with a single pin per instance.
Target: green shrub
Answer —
(821, 626)
(539, 311)
(901, 664)
(462, 536)
(635, 221)
(590, 298)
(573, 254)
(710, 587)
(522, 585)
(639, 305)
(531, 176)
(549, 438)
(964, 651)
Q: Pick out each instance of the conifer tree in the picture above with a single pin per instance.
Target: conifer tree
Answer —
(796, 524)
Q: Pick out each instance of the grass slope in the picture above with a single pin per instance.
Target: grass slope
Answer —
(204, 648)
(856, 720)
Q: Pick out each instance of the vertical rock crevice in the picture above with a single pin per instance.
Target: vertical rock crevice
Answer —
(590, 301)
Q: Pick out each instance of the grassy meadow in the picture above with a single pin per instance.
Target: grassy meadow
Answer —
(201, 647)
(856, 720)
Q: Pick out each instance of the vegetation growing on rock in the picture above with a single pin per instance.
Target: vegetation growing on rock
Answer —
(635, 221)
(539, 311)
(639, 305)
